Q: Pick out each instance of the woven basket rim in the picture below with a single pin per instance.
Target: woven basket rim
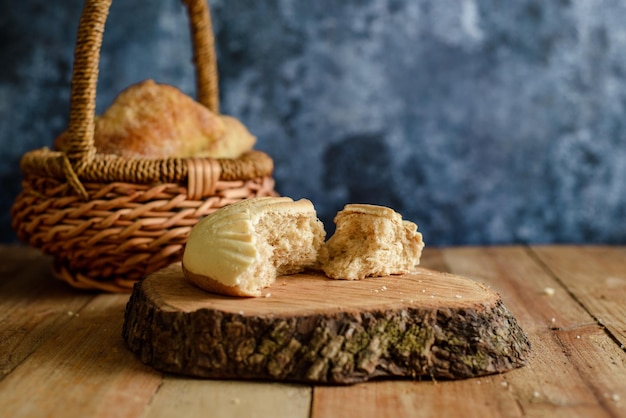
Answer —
(45, 162)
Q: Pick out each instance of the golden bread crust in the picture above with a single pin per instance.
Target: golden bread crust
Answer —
(151, 120)
(370, 241)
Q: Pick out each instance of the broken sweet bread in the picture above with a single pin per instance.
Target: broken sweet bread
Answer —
(241, 248)
(370, 240)
(152, 120)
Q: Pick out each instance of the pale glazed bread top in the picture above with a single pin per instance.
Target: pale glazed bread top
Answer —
(231, 245)
(368, 209)
(371, 240)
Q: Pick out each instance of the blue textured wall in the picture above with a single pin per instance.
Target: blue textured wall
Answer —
(483, 121)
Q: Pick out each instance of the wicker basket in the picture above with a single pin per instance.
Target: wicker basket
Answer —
(106, 220)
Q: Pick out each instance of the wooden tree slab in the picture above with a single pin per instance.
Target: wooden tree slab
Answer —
(309, 328)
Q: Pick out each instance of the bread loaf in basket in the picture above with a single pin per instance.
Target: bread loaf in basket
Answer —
(108, 220)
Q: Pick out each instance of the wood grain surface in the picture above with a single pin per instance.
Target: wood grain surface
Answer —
(62, 353)
(313, 329)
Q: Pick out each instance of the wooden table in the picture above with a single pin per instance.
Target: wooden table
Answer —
(61, 351)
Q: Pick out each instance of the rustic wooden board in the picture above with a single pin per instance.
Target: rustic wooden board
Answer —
(82, 367)
(596, 277)
(31, 312)
(559, 379)
(62, 351)
(227, 399)
(309, 328)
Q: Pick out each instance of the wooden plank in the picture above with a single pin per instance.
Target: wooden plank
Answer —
(574, 363)
(193, 398)
(554, 383)
(523, 284)
(82, 369)
(477, 398)
(60, 364)
(596, 276)
(33, 305)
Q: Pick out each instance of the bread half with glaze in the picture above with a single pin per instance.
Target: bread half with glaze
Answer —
(240, 249)
(371, 240)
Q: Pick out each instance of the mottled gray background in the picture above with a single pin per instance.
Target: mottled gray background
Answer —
(483, 121)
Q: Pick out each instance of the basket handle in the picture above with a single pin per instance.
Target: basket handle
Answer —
(81, 147)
